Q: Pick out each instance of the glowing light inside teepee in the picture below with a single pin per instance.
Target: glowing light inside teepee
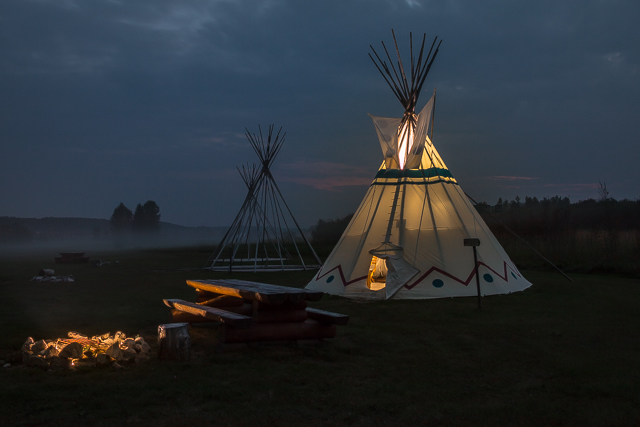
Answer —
(405, 142)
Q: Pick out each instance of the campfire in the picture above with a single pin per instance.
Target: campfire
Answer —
(79, 350)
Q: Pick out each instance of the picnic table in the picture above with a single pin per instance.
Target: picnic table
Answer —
(71, 258)
(247, 311)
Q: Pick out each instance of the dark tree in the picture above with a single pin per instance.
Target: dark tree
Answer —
(603, 193)
(531, 202)
(121, 219)
(329, 231)
(147, 217)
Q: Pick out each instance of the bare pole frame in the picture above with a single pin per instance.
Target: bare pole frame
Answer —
(262, 218)
(406, 90)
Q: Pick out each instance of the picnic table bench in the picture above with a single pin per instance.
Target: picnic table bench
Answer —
(71, 257)
(247, 311)
(210, 313)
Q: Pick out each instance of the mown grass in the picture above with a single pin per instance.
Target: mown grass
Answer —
(559, 353)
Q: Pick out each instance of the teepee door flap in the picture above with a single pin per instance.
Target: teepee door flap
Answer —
(399, 272)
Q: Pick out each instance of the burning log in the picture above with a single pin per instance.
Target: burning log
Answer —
(80, 351)
(77, 335)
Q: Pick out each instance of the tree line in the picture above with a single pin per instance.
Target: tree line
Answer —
(552, 215)
(145, 219)
(530, 217)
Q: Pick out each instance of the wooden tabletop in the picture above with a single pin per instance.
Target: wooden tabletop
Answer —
(269, 294)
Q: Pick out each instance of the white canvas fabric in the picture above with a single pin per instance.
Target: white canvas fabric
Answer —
(390, 138)
(387, 129)
(431, 219)
(400, 272)
(421, 132)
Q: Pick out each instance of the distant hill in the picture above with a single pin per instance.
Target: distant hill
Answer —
(97, 232)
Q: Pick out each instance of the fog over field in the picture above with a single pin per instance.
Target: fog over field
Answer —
(24, 235)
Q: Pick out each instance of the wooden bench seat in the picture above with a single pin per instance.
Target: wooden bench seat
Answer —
(212, 313)
(327, 317)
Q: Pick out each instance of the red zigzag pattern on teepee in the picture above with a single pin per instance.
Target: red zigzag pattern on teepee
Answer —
(466, 282)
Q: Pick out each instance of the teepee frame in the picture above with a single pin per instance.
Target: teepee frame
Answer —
(397, 79)
(264, 236)
(407, 90)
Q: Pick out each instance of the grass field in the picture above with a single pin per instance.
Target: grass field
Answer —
(559, 353)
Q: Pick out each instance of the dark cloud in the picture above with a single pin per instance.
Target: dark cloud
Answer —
(109, 101)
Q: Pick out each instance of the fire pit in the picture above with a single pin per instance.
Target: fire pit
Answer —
(79, 350)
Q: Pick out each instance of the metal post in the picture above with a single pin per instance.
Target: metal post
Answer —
(475, 242)
(475, 262)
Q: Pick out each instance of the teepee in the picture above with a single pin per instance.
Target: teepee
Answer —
(264, 236)
(407, 238)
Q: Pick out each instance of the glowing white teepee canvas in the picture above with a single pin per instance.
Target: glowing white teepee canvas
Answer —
(406, 238)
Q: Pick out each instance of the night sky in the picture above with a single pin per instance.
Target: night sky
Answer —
(110, 101)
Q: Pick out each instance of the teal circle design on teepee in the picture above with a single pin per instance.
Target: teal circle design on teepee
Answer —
(330, 279)
(514, 275)
(488, 278)
(437, 283)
